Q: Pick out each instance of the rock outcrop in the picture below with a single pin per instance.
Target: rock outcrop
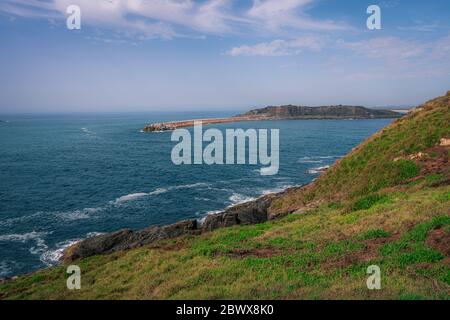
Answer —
(252, 212)
(158, 127)
(127, 239)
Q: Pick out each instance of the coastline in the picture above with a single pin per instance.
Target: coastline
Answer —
(243, 213)
(247, 213)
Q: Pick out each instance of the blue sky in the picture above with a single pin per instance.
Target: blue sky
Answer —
(171, 55)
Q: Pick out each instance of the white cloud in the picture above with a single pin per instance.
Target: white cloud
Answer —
(278, 47)
(174, 18)
(147, 18)
(278, 14)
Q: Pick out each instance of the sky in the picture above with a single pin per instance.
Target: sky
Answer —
(186, 55)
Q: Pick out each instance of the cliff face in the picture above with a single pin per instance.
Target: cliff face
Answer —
(323, 112)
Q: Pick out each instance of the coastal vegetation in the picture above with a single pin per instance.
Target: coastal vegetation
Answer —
(387, 203)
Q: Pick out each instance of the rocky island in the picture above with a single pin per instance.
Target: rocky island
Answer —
(287, 112)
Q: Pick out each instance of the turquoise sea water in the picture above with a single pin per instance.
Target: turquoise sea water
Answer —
(68, 177)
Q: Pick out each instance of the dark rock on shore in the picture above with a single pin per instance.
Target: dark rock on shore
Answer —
(127, 239)
(158, 127)
(252, 212)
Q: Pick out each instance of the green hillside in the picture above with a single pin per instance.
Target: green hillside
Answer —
(387, 203)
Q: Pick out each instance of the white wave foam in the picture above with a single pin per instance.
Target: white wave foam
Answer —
(135, 196)
(201, 199)
(328, 157)
(309, 161)
(190, 186)
(23, 219)
(24, 237)
(276, 190)
(94, 234)
(317, 170)
(39, 246)
(213, 212)
(157, 191)
(85, 213)
(316, 159)
(205, 215)
(237, 198)
(88, 132)
(130, 197)
(52, 257)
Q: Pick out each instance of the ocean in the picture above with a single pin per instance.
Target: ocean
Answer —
(69, 177)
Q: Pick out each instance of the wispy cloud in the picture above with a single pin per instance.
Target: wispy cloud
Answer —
(278, 47)
(146, 18)
(408, 56)
(390, 48)
(394, 49)
(178, 18)
(278, 14)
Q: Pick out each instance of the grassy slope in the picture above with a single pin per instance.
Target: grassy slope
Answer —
(370, 212)
(371, 166)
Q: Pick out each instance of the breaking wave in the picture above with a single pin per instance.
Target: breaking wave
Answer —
(317, 159)
(130, 197)
(38, 237)
(317, 170)
(52, 257)
(237, 198)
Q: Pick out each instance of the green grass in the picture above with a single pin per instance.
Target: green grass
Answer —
(327, 258)
(380, 162)
(375, 234)
(369, 201)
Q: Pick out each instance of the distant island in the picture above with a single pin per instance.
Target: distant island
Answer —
(287, 112)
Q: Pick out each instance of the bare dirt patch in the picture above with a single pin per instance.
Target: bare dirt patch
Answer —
(434, 161)
(438, 163)
(177, 246)
(439, 239)
(368, 253)
(266, 252)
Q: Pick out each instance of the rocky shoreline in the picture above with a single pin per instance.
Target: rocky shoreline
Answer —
(248, 213)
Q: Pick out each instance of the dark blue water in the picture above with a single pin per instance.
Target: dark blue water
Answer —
(67, 177)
